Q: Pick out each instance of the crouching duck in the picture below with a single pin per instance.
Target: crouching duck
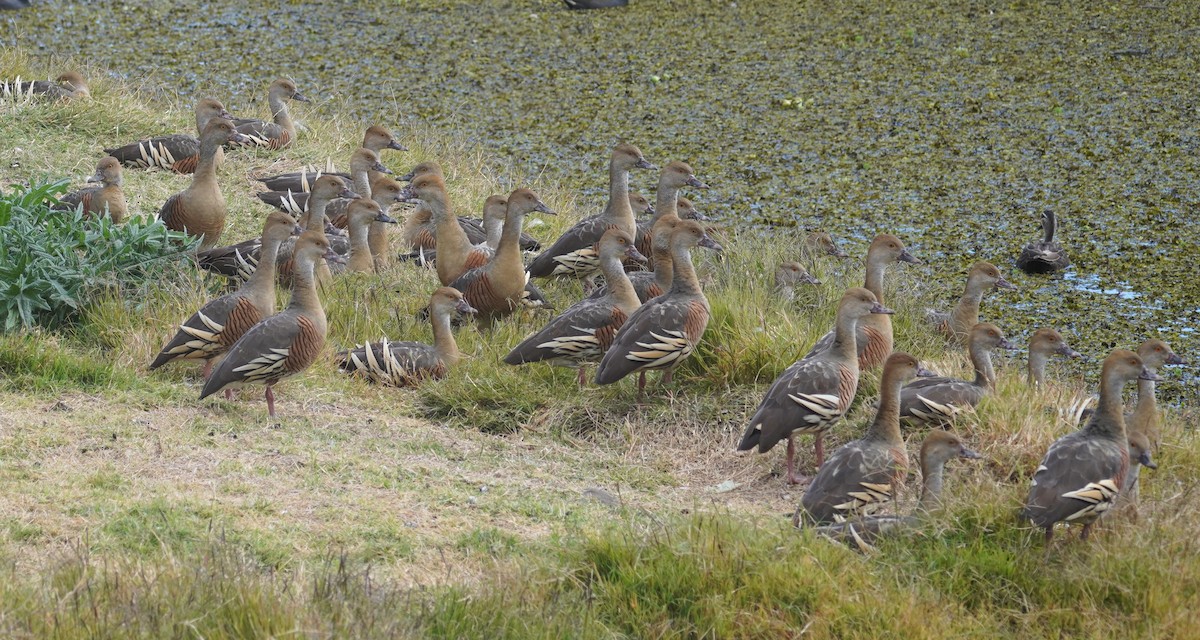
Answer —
(938, 400)
(105, 199)
(176, 152)
(1046, 255)
(281, 131)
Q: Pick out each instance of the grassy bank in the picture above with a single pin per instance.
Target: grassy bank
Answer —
(479, 505)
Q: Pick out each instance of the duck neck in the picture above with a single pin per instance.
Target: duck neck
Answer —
(931, 485)
(304, 289)
(1048, 227)
(443, 338)
(886, 426)
(360, 249)
(684, 281)
(1109, 419)
(664, 266)
(981, 359)
(1147, 406)
(206, 167)
(620, 289)
(279, 112)
(666, 202)
(314, 218)
(1037, 368)
(845, 339)
(619, 212)
(362, 182)
(451, 239)
(508, 253)
(874, 283)
(262, 281)
(494, 228)
(966, 314)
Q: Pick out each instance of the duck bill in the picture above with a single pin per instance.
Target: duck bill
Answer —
(298, 97)
(1149, 375)
(1005, 284)
(693, 181)
(383, 217)
(878, 308)
(542, 208)
(969, 454)
(905, 256)
(633, 254)
(347, 193)
(407, 194)
(239, 138)
(99, 177)
(332, 256)
(709, 243)
(1064, 350)
(1175, 358)
(922, 372)
(643, 163)
(397, 146)
(1005, 344)
(464, 307)
(297, 229)
(809, 279)
(378, 166)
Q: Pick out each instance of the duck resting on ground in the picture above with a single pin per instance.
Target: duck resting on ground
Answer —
(174, 152)
(106, 199)
(939, 400)
(281, 131)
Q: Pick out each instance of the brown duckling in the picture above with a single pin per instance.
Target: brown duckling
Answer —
(666, 329)
(106, 199)
(874, 333)
(213, 329)
(279, 133)
(1046, 255)
(200, 209)
(402, 364)
(583, 332)
(938, 448)
(815, 392)
(981, 278)
(286, 343)
(863, 475)
(175, 152)
(1043, 344)
(938, 400)
(1083, 472)
(573, 254)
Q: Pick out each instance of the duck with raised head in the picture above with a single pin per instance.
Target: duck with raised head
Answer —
(873, 337)
(200, 209)
(362, 163)
(1043, 344)
(361, 214)
(595, 4)
(1083, 472)
(1045, 255)
(815, 392)
(453, 245)
(583, 332)
(864, 475)
(70, 85)
(106, 199)
(376, 139)
(665, 330)
(675, 176)
(499, 287)
(403, 364)
(573, 255)
(820, 243)
(939, 400)
(238, 261)
(213, 329)
(286, 343)
(938, 448)
(981, 278)
(789, 275)
(280, 131)
(177, 152)
(1145, 417)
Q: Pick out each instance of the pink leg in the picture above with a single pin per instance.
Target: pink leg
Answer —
(668, 376)
(641, 385)
(270, 401)
(1049, 534)
(791, 460)
(1087, 528)
(582, 377)
(208, 365)
(228, 394)
(819, 446)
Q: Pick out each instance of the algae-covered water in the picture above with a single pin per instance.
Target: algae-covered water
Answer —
(950, 123)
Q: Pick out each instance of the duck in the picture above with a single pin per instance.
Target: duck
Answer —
(497, 288)
(583, 332)
(595, 4)
(1045, 255)
(815, 391)
(673, 177)
(403, 364)
(820, 243)
(212, 330)
(286, 343)
(361, 214)
(238, 261)
(376, 139)
(864, 475)
(874, 337)
(70, 85)
(175, 152)
(1083, 472)
(1145, 418)
(200, 209)
(106, 199)
(1043, 344)
(15, 4)
(654, 283)
(938, 448)
(938, 400)
(281, 131)
(640, 205)
(454, 247)
(981, 278)
(362, 162)
(573, 254)
(664, 330)
(1139, 456)
(790, 274)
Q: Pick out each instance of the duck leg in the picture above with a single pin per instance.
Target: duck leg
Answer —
(1087, 528)
(668, 376)
(270, 401)
(581, 377)
(208, 366)
(819, 447)
(641, 385)
(792, 477)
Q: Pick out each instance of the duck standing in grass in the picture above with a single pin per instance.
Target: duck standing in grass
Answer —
(200, 209)
(1083, 472)
(863, 475)
(286, 343)
(665, 330)
(816, 391)
(583, 332)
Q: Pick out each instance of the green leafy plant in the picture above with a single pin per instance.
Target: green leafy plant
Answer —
(52, 262)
